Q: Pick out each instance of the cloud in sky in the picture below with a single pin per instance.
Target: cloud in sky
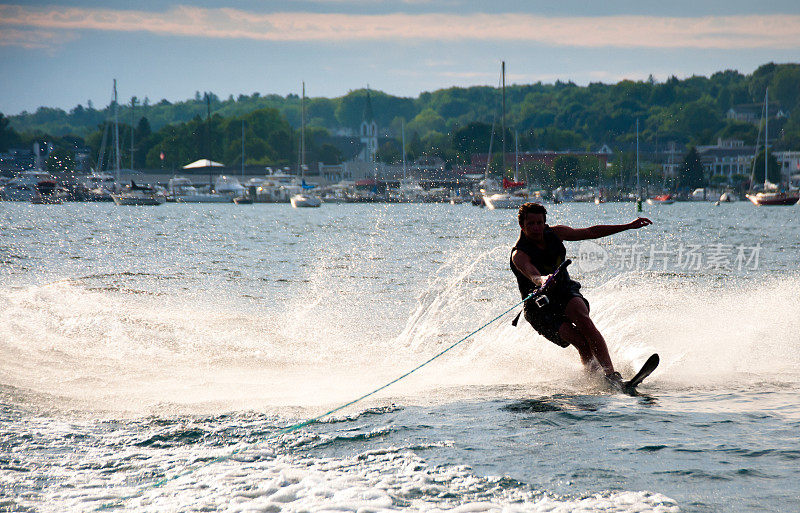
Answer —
(32, 27)
(32, 39)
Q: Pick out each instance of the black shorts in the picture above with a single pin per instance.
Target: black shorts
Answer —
(548, 319)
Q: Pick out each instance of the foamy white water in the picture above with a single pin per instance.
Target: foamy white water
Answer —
(138, 343)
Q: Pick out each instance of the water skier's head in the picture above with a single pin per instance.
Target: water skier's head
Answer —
(532, 218)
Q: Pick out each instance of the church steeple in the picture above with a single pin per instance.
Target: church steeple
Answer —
(369, 131)
(369, 116)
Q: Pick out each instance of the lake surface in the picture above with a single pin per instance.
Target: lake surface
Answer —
(149, 357)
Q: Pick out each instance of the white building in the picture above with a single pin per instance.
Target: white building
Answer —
(727, 158)
(789, 161)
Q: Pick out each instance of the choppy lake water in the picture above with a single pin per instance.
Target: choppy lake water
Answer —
(149, 357)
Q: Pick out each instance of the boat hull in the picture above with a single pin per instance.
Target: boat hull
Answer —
(503, 201)
(305, 201)
(770, 200)
(203, 198)
(137, 201)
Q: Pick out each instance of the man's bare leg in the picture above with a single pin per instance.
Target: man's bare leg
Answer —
(570, 333)
(578, 314)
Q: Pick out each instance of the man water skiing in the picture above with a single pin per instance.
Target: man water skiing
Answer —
(565, 320)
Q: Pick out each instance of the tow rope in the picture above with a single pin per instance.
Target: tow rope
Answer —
(299, 425)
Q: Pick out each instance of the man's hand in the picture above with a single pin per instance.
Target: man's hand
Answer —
(639, 223)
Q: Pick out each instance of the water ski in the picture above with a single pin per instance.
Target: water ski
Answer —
(629, 387)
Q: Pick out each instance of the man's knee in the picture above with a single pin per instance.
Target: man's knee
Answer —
(570, 334)
(576, 310)
(580, 318)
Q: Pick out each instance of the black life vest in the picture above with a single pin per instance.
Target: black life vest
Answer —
(546, 259)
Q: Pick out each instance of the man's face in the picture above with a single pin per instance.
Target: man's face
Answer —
(533, 227)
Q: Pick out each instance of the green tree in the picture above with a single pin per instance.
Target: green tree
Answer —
(473, 138)
(8, 136)
(566, 170)
(746, 132)
(329, 154)
(414, 147)
(786, 86)
(427, 121)
(692, 173)
(60, 162)
(699, 119)
(390, 152)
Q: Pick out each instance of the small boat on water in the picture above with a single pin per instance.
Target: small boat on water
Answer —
(98, 187)
(767, 199)
(181, 190)
(504, 200)
(228, 187)
(661, 199)
(46, 193)
(23, 187)
(138, 196)
(305, 200)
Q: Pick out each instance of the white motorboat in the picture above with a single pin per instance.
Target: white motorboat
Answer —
(181, 190)
(137, 195)
(304, 200)
(98, 186)
(23, 186)
(229, 187)
(409, 191)
(103, 181)
(505, 200)
(278, 188)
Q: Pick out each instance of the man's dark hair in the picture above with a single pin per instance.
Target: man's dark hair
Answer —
(530, 208)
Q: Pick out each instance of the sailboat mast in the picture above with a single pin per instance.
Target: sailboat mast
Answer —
(638, 184)
(516, 156)
(303, 131)
(403, 132)
(503, 115)
(242, 149)
(766, 135)
(116, 133)
(133, 104)
(208, 142)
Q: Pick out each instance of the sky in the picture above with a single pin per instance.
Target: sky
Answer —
(65, 53)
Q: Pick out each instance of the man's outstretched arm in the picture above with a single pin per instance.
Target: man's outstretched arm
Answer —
(598, 231)
(523, 263)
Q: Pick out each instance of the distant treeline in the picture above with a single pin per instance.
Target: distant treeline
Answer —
(452, 123)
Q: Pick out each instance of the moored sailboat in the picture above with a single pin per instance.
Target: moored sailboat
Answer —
(505, 199)
(304, 198)
(774, 197)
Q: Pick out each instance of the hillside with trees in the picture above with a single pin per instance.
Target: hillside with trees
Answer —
(451, 123)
